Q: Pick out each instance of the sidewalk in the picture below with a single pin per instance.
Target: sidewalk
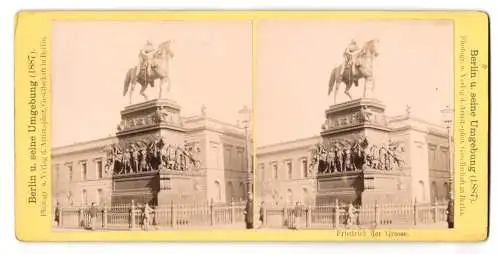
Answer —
(151, 228)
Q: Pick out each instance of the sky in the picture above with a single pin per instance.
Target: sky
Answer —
(212, 67)
(294, 60)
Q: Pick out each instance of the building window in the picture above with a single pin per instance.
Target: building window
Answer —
(446, 191)
(445, 159)
(306, 195)
(84, 197)
(432, 156)
(304, 168)
(69, 198)
(70, 172)
(275, 171)
(229, 191)
(100, 197)
(420, 191)
(275, 196)
(289, 169)
(434, 192)
(241, 160)
(216, 155)
(242, 190)
(83, 165)
(99, 168)
(289, 197)
(261, 172)
(227, 157)
(218, 196)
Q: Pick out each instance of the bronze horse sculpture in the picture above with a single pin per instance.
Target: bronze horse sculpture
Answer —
(364, 70)
(159, 70)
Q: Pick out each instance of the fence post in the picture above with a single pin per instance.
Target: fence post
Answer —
(415, 216)
(212, 214)
(105, 217)
(336, 215)
(435, 211)
(308, 216)
(285, 220)
(173, 219)
(232, 211)
(132, 215)
(377, 214)
(154, 221)
(264, 215)
(81, 218)
(61, 220)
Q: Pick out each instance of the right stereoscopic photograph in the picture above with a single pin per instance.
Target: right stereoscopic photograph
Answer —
(353, 123)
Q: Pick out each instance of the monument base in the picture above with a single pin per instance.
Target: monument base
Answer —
(357, 148)
(139, 187)
(150, 120)
(158, 188)
(153, 163)
(180, 187)
(361, 187)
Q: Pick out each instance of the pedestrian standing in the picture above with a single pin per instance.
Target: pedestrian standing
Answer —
(57, 214)
(93, 215)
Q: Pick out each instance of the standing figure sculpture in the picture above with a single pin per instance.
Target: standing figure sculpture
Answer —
(143, 165)
(126, 161)
(358, 64)
(153, 65)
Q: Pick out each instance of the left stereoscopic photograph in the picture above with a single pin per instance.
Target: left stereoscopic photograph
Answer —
(151, 125)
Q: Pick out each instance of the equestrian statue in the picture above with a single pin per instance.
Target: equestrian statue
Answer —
(153, 65)
(358, 64)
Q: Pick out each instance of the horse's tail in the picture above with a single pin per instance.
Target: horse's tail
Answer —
(333, 79)
(128, 79)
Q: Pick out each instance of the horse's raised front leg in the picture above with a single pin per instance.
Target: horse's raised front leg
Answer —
(142, 92)
(347, 88)
(131, 92)
(337, 85)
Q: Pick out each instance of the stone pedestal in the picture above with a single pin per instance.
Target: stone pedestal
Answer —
(354, 128)
(151, 120)
(151, 135)
(343, 186)
(141, 187)
(350, 120)
(384, 186)
(180, 187)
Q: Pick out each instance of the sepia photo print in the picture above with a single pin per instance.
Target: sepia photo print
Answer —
(353, 124)
(152, 125)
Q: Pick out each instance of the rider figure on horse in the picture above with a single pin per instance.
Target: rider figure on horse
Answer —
(351, 52)
(146, 57)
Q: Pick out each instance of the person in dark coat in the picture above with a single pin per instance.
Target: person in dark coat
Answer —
(261, 214)
(57, 214)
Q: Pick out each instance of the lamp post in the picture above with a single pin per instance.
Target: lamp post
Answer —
(447, 114)
(245, 114)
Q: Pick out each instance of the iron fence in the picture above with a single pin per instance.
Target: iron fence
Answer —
(131, 216)
(389, 215)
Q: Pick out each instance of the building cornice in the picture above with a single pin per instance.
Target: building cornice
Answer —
(288, 145)
(87, 146)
